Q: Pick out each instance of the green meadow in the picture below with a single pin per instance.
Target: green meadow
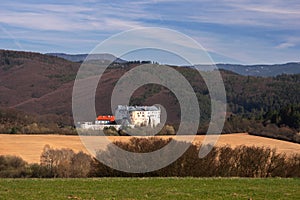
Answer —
(150, 188)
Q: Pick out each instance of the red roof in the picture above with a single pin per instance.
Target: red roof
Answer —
(106, 118)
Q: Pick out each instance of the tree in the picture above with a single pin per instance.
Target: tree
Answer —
(80, 165)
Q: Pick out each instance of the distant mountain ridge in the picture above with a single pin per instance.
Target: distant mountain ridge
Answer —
(82, 57)
(261, 70)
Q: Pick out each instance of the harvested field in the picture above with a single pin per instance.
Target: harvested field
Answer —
(29, 147)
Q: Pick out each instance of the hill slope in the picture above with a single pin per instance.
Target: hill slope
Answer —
(42, 85)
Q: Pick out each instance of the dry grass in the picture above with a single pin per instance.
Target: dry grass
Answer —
(29, 147)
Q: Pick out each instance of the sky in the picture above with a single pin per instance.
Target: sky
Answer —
(232, 31)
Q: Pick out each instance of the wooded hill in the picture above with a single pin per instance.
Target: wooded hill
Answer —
(36, 96)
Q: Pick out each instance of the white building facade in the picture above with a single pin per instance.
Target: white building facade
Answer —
(138, 115)
(97, 126)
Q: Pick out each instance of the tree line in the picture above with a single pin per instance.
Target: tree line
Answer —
(242, 161)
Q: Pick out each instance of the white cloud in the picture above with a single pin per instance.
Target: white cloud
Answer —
(276, 13)
(273, 10)
(68, 17)
(96, 17)
(285, 45)
(90, 21)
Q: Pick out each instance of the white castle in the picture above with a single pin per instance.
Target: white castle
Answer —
(138, 115)
(126, 116)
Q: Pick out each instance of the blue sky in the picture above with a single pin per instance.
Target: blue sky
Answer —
(233, 31)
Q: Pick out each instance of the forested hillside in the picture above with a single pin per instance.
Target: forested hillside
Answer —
(41, 87)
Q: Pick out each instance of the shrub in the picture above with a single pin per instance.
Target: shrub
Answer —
(167, 130)
(110, 131)
(63, 163)
(12, 167)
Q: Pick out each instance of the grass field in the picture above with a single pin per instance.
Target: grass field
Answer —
(150, 188)
(30, 147)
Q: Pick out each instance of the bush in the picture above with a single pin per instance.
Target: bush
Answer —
(273, 131)
(12, 167)
(110, 131)
(63, 163)
(167, 130)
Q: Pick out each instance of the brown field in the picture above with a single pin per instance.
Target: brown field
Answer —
(29, 147)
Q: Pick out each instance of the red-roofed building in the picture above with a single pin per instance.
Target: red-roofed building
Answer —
(105, 119)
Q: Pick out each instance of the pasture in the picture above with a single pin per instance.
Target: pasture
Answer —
(150, 188)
